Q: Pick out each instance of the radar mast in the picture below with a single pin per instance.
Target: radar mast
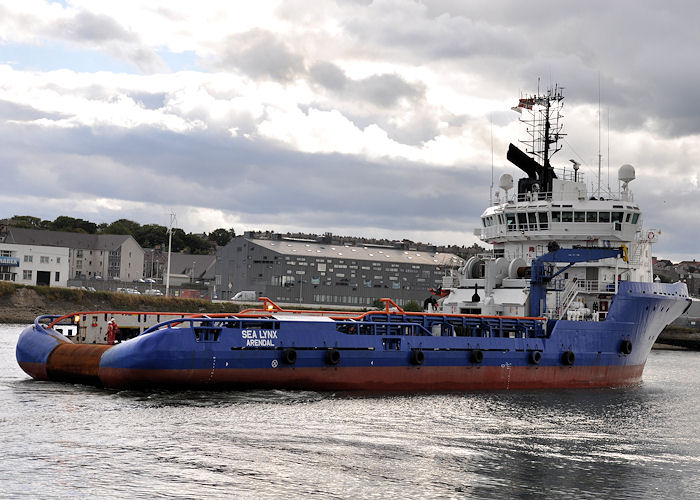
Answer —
(544, 128)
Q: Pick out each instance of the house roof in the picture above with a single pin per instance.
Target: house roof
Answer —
(109, 242)
(182, 263)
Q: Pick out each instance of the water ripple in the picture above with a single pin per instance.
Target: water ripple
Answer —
(62, 440)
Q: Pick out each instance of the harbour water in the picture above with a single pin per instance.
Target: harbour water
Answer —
(61, 440)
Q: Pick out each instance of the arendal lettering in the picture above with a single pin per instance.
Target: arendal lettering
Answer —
(259, 338)
(260, 343)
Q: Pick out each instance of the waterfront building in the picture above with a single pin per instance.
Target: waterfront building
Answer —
(101, 256)
(324, 270)
(34, 264)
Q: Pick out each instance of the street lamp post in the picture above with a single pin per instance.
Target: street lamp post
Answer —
(170, 244)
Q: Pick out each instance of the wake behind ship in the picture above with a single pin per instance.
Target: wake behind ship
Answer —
(566, 299)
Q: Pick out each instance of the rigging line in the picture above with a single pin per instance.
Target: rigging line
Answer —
(608, 152)
(583, 161)
(491, 191)
(599, 156)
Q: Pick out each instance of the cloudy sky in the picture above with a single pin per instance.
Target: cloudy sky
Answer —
(368, 118)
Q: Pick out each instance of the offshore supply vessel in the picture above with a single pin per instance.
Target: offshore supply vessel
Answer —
(565, 299)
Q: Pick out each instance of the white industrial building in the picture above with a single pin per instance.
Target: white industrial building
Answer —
(108, 256)
(34, 264)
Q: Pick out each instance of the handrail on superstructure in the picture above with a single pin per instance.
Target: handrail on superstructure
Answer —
(271, 310)
(388, 303)
(489, 324)
(270, 307)
(359, 316)
(39, 326)
(132, 313)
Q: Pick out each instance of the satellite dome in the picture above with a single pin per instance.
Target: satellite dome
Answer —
(626, 173)
(505, 182)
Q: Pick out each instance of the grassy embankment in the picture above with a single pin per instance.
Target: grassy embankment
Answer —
(21, 303)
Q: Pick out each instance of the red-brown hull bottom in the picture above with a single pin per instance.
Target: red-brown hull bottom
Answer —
(35, 370)
(394, 379)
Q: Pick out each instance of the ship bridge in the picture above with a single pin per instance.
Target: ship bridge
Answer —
(565, 213)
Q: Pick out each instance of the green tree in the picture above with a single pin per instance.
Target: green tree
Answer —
(117, 227)
(71, 224)
(132, 226)
(28, 222)
(222, 236)
(122, 226)
(196, 245)
(179, 237)
(150, 235)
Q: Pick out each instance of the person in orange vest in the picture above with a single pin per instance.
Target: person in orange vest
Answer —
(112, 331)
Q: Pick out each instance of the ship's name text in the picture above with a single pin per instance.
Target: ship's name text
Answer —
(259, 338)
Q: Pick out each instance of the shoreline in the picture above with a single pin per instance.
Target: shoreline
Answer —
(23, 304)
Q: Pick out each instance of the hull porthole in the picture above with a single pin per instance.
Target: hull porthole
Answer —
(535, 357)
(626, 347)
(417, 357)
(289, 356)
(333, 357)
(568, 358)
(477, 356)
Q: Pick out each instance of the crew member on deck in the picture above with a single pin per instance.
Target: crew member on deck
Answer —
(112, 331)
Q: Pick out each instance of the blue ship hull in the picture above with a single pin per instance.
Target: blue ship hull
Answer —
(377, 351)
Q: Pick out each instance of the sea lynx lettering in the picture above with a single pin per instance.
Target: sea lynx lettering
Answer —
(268, 334)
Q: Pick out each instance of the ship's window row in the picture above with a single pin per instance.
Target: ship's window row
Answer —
(534, 221)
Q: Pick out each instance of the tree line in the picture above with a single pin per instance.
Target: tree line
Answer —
(147, 235)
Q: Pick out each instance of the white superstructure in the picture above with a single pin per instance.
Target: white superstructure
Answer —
(551, 206)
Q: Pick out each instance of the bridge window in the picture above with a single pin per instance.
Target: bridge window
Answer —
(556, 216)
(544, 225)
(567, 216)
(532, 220)
(635, 218)
(510, 218)
(591, 216)
(579, 216)
(617, 216)
(604, 217)
(522, 221)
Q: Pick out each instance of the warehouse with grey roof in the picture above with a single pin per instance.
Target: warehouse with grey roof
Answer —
(321, 271)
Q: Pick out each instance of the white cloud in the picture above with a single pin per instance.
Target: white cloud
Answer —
(309, 94)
